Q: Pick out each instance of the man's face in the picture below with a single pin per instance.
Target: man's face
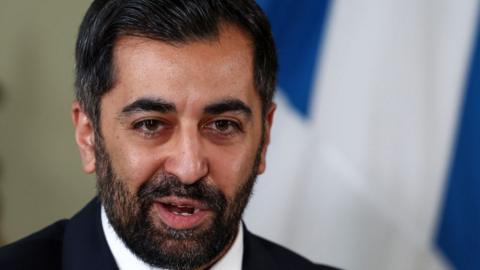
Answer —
(182, 140)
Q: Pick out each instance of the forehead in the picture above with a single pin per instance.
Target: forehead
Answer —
(215, 68)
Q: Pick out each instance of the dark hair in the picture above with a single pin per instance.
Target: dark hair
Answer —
(172, 21)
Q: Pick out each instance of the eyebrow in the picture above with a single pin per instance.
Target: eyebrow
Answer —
(148, 105)
(228, 105)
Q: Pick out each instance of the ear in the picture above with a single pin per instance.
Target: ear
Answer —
(268, 126)
(84, 137)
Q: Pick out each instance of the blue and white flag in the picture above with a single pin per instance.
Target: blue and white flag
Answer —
(459, 229)
(374, 161)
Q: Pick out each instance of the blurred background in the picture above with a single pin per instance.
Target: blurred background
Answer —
(40, 175)
(374, 159)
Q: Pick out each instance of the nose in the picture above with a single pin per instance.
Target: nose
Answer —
(187, 160)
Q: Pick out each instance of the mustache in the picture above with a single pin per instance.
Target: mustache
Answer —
(164, 184)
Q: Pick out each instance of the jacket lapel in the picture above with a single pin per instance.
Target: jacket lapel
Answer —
(85, 246)
(255, 255)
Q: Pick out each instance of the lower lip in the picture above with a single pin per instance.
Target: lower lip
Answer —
(180, 222)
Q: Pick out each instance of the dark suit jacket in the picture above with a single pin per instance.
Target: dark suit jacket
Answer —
(80, 244)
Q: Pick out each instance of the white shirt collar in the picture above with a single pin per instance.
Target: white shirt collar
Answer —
(125, 259)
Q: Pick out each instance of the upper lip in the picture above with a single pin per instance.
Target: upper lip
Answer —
(185, 202)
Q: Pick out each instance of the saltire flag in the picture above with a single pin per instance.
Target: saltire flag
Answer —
(459, 231)
(375, 143)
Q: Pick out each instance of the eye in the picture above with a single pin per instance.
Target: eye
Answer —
(149, 127)
(224, 126)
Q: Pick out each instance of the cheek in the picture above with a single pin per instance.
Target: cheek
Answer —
(231, 168)
(133, 165)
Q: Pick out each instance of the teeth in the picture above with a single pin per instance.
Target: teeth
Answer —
(182, 214)
(182, 210)
(185, 213)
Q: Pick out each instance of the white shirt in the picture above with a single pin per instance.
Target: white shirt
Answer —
(126, 260)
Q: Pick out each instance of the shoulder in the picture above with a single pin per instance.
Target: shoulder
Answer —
(41, 250)
(279, 256)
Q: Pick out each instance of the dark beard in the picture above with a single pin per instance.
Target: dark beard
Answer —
(157, 244)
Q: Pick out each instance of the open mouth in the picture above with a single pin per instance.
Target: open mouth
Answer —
(181, 213)
(183, 210)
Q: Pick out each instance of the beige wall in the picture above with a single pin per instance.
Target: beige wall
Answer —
(40, 174)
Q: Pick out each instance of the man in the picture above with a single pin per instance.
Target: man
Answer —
(173, 114)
